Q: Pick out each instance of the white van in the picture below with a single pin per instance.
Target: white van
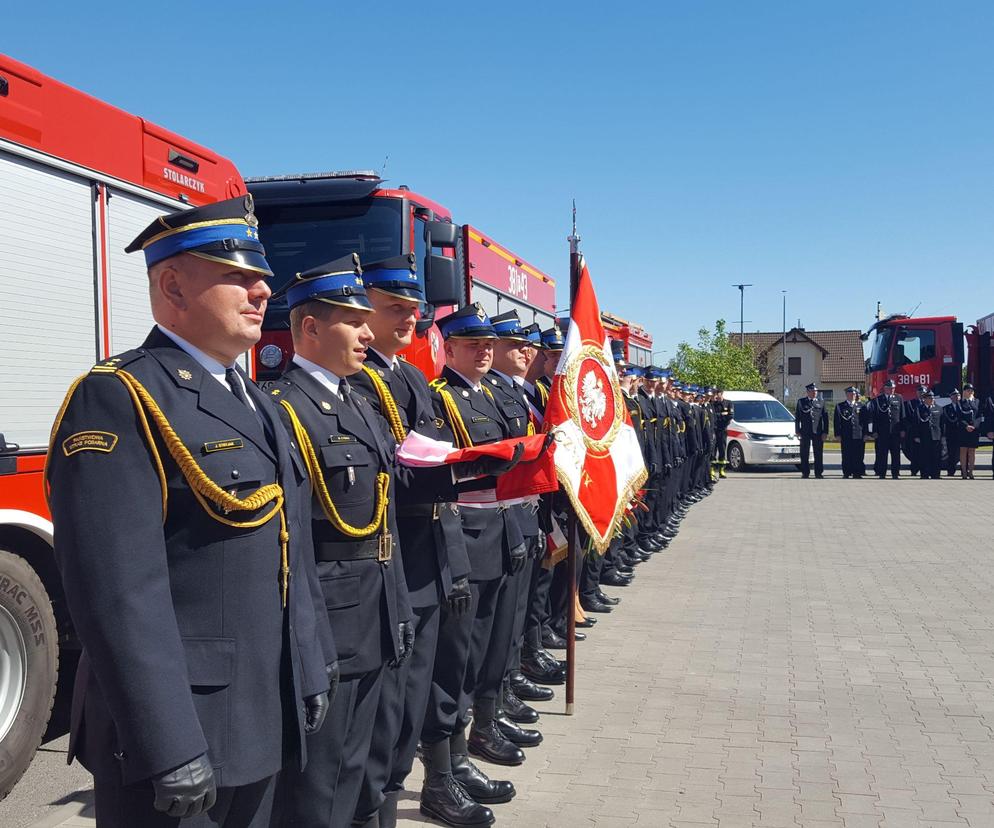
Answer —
(761, 431)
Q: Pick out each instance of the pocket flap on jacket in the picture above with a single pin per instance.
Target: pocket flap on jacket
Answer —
(341, 592)
(210, 662)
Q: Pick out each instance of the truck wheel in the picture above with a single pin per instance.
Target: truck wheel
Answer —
(736, 458)
(29, 666)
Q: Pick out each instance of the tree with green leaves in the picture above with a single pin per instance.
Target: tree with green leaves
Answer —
(717, 360)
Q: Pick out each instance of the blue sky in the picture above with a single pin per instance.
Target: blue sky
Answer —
(841, 151)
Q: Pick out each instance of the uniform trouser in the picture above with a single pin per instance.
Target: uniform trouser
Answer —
(537, 618)
(818, 444)
(929, 458)
(720, 438)
(326, 793)
(912, 449)
(887, 446)
(647, 520)
(525, 583)
(952, 450)
(590, 577)
(128, 806)
(853, 456)
(661, 511)
(455, 635)
(488, 646)
(401, 713)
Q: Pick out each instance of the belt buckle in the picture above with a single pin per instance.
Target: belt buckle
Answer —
(436, 511)
(385, 547)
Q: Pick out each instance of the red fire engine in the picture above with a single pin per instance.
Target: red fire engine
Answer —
(307, 220)
(78, 180)
(929, 351)
(637, 341)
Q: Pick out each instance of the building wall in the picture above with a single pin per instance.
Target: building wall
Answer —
(811, 359)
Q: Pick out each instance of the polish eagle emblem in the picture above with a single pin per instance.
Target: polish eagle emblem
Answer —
(593, 400)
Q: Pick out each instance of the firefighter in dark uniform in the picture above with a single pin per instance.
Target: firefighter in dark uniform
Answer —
(850, 419)
(645, 398)
(887, 419)
(436, 567)
(953, 414)
(629, 557)
(969, 431)
(723, 411)
(349, 452)
(496, 548)
(911, 447)
(182, 534)
(811, 425)
(927, 427)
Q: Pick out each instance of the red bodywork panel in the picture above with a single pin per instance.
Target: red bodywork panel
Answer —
(628, 333)
(494, 265)
(907, 377)
(41, 113)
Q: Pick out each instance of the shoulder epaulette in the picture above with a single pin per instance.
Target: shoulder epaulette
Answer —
(276, 388)
(438, 384)
(116, 363)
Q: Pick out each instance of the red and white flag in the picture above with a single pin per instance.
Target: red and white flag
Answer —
(598, 459)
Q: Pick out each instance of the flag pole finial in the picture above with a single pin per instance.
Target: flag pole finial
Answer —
(573, 238)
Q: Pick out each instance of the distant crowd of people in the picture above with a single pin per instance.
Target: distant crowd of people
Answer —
(919, 429)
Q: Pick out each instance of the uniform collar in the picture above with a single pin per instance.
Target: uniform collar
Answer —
(328, 379)
(474, 385)
(208, 363)
(391, 362)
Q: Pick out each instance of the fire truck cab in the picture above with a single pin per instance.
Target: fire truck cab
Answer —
(79, 179)
(915, 351)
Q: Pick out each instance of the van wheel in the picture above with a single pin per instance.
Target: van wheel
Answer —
(736, 459)
(29, 666)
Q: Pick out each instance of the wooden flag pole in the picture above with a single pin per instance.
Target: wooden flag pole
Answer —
(571, 554)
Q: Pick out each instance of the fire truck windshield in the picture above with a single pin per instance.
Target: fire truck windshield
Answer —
(298, 238)
(881, 349)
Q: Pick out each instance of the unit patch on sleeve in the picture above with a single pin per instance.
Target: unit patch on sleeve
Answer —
(89, 441)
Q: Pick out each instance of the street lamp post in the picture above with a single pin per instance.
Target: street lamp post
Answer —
(783, 352)
(742, 293)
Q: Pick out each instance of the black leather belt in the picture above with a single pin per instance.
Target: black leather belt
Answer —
(422, 510)
(379, 549)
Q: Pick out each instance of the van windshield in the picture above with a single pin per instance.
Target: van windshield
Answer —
(761, 411)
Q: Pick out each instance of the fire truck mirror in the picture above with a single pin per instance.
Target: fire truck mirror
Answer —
(443, 233)
(443, 282)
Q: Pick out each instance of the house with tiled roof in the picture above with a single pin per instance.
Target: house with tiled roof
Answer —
(831, 359)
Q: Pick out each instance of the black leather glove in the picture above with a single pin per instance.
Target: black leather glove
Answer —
(405, 636)
(315, 709)
(550, 438)
(460, 597)
(186, 791)
(517, 558)
(489, 466)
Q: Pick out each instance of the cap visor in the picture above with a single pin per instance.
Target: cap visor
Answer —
(242, 259)
(413, 294)
(357, 301)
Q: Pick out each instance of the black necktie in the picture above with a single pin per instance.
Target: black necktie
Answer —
(235, 384)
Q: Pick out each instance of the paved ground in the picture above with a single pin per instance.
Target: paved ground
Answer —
(812, 653)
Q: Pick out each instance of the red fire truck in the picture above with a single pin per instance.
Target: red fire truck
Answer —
(637, 340)
(78, 180)
(307, 220)
(929, 351)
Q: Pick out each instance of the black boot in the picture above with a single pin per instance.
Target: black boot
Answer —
(486, 740)
(527, 690)
(477, 784)
(539, 670)
(513, 732)
(515, 709)
(443, 797)
(372, 822)
(388, 810)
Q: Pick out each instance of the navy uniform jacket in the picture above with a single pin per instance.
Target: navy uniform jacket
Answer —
(653, 454)
(425, 516)
(490, 534)
(724, 411)
(661, 412)
(887, 415)
(187, 648)
(635, 413)
(513, 406)
(927, 423)
(810, 418)
(691, 438)
(365, 599)
(849, 417)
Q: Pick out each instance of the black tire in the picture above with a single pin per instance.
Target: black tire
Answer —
(736, 457)
(29, 642)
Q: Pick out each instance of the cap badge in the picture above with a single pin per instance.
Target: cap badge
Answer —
(465, 393)
(480, 313)
(184, 374)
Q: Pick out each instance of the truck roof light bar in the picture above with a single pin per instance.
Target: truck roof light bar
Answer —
(360, 175)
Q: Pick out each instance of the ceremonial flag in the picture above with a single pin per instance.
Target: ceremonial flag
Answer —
(598, 460)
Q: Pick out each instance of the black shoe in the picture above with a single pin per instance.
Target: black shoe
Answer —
(625, 569)
(477, 784)
(521, 736)
(516, 710)
(645, 555)
(615, 579)
(527, 690)
(579, 636)
(553, 640)
(594, 605)
(586, 623)
(488, 743)
(607, 599)
(819, 477)
(539, 671)
(388, 810)
(444, 799)
(545, 657)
